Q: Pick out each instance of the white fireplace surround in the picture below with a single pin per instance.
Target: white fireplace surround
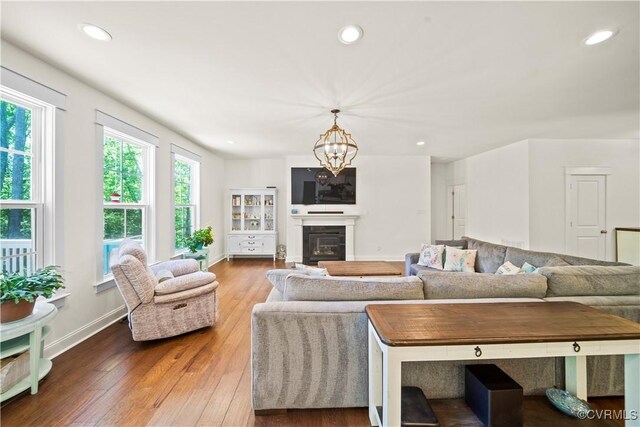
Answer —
(301, 220)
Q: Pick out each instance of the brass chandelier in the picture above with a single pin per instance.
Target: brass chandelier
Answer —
(335, 149)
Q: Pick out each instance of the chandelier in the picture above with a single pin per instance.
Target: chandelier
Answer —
(335, 149)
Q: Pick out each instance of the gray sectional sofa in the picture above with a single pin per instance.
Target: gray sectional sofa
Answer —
(309, 339)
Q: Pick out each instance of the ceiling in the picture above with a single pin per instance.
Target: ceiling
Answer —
(463, 76)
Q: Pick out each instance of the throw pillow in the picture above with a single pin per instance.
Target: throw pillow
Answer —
(460, 259)
(508, 268)
(528, 268)
(431, 256)
(164, 275)
(310, 270)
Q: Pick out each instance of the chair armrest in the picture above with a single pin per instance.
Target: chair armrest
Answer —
(185, 282)
(177, 267)
(410, 259)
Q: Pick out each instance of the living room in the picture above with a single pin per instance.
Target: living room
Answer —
(500, 98)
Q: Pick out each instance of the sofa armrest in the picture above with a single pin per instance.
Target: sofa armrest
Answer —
(177, 267)
(409, 259)
(184, 282)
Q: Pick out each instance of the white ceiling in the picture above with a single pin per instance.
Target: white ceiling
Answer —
(462, 76)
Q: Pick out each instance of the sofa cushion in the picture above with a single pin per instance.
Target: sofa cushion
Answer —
(441, 285)
(460, 244)
(591, 280)
(299, 287)
(519, 256)
(490, 256)
(431, 256)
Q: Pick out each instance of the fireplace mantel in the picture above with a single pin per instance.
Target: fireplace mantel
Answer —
(300, 220)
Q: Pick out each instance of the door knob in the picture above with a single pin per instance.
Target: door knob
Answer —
(603, 231)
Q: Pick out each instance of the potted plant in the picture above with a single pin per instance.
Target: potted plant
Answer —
(18, 291)
(200, 238)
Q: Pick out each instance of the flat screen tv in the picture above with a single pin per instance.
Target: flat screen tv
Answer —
(318, 186)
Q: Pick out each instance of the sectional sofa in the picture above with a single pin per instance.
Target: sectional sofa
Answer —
(309, 339)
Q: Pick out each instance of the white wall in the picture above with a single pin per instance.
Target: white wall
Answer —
(547, 162)
(258, 173)
(497, 193)
(392, 199)
(86, 311)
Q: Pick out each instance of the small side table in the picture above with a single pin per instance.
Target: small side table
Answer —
(202, 256)
(28, 334)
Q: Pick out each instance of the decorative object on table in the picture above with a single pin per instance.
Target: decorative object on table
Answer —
(115, 197)
(18, 291)
(335, 149)
(199, 239)
(567, 402)
(13, 369)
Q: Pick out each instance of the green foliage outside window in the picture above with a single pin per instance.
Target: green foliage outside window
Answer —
(184, 211)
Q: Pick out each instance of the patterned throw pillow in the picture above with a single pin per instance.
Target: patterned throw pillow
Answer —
(508, 268)
(528, 268)
(310, 270)
(460, 259)
(431, 256)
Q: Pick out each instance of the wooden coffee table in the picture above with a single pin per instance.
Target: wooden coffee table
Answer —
(360, 268)
(431, 332)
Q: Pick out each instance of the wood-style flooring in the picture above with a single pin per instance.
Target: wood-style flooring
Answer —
(201, 378)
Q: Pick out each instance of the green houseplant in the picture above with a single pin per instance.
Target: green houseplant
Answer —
(18, 291)
(200, 238)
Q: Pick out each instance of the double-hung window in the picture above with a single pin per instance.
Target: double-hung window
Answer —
(29, 217)
(186, 183)
(127, 170)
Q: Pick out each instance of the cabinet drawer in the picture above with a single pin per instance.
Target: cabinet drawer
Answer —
(250, 251)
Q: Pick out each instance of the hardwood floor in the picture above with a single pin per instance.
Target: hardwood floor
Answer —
(201, 378)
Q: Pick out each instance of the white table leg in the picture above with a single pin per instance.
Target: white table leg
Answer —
(632, 389)
(375, 376)
(391, 388)
(35, 339)
(575, 375)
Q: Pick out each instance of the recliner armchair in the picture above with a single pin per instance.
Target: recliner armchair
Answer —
(164, 309)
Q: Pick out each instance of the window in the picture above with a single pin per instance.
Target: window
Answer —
(125, 191)
(186, 175)
(22, 211)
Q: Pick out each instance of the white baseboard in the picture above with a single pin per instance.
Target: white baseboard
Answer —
(74, 338)
(217, 259)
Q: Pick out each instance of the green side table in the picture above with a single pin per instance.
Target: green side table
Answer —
(202, 256)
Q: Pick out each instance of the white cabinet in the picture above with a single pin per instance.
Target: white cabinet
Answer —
(253, 228)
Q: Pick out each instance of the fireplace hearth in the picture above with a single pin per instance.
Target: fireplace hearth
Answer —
(323, 243)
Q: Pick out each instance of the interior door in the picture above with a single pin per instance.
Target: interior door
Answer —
(586, 216)
(457, 209)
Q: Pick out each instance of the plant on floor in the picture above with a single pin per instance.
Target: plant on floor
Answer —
(200, 238)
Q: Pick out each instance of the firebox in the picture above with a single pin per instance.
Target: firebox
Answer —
(323, 243)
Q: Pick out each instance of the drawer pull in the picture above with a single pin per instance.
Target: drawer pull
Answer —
(478, 351)
(252, 249)
(576, 347)
(251, 237)
(251, 243)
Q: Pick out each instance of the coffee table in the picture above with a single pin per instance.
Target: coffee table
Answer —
(360, 268)
(431, 332)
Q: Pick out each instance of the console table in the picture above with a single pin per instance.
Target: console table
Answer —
(432, 332)
(28, 334)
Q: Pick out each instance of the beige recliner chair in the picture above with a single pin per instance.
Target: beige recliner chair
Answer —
(164, 309)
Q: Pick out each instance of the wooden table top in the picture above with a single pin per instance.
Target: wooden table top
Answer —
(360, 268)
(495, 323)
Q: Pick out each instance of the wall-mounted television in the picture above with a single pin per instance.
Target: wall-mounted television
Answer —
(318, 186)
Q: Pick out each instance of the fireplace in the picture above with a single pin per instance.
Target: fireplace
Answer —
(323, 243)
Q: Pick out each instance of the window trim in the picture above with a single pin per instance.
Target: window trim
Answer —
(105, 125)
(192, 159)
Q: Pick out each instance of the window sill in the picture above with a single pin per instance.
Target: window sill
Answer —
(107, 284)
(58, 300)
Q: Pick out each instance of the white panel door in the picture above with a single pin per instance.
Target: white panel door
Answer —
(457, 207)
(587, 216)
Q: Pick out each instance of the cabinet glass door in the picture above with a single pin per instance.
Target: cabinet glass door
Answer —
(236, 212)
(252, 212)
(269, 212)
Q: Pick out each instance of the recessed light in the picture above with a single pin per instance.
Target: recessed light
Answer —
(95, 32)
(231, 142)
(598, 37)
(350, 34)
(420, 143)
